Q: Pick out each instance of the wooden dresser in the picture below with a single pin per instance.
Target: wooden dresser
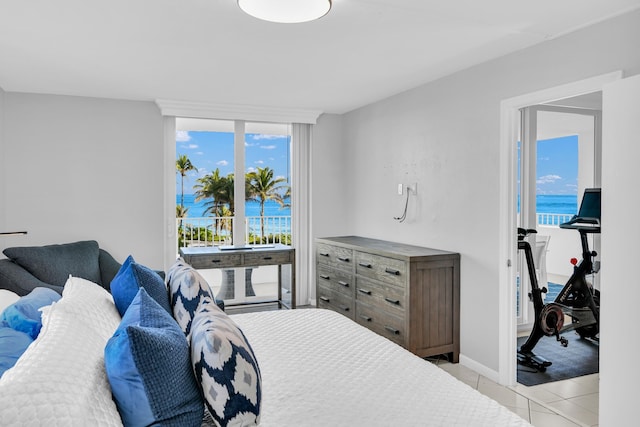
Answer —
(406, 293)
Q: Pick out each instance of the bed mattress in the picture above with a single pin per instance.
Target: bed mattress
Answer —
(321, 369)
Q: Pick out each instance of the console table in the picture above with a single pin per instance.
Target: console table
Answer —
(247, 256)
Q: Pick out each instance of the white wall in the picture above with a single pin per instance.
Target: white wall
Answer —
(2, 164)
(84, 168)
(620, 236)
(445, 136)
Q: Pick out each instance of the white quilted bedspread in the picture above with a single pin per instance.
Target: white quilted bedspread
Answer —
(322, 369)
(60, 380)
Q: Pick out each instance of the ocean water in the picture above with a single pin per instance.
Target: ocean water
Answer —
(196, 209)
(557, 204)
(554, 204)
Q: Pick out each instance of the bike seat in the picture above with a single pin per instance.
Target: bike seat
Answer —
(524, 232)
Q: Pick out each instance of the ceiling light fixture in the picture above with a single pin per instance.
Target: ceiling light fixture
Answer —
(286, 11)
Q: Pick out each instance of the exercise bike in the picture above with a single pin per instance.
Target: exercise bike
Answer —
(577, 300)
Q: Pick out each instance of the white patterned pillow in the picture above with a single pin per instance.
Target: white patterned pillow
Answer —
(186, 290)
(61, 380)
(226, 368)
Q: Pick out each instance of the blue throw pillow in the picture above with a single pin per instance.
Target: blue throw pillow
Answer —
(133, 276)
(225, 367)
(24, 315)
(149, 369)
(12, 344)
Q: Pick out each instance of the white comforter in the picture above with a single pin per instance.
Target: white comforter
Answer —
(322, 369)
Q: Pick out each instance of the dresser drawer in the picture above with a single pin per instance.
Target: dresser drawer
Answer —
(335, 280)
(381, 295)
(335, 301)
(334, 256)
(388, 270)
(381, 322)
(213, 260)
(268, 258)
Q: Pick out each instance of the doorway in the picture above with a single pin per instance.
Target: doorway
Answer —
(559, 155)
(509, 135)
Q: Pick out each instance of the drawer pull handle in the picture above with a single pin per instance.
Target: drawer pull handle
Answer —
(325, 299)
(392, 271)
(394, 331)
(365, 318)
(215, 260)
(364, 264)
(364, 291)
(344, 307)
(392, 301)
(324, 254)
(343, 259)
(267, 258)
(324, 276)
(345, 284)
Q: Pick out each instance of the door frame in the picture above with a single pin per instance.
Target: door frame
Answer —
(507, 252)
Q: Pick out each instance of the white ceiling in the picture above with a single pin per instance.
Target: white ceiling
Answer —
(210, 51)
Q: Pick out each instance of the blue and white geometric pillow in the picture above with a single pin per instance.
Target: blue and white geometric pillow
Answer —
(187, 288)
(226, 368)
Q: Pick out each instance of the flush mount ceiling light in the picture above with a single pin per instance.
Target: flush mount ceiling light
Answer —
(286, 11)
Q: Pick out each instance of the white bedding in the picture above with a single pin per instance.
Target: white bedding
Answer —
(322, 369)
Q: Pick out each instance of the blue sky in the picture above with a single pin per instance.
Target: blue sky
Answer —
(557, 166)
(210, 150)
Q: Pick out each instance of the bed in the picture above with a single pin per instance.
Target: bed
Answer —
(317, 368)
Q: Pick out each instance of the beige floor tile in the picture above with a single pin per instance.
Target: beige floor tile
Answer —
(589, 402)
(566, 389)
(535, 407)
(537, 393)
(544, 419)
(462, 373)
(502, 394)
(522, 412)
(575, 412)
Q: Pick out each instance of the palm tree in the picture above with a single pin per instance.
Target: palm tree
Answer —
(261, 186)
(183, 165)
(181, 211)
(217, 188)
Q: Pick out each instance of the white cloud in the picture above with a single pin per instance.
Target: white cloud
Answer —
(548, 179)
(222, 163)
(192, 146)
(182, 136)
(259, 162)
(264, 136)
(268, 147)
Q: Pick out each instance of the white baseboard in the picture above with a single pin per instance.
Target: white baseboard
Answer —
(479, 368)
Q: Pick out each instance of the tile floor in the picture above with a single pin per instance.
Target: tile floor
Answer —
(567, 403)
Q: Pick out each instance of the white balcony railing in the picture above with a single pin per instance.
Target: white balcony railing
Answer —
(552, 219)
(210, 231)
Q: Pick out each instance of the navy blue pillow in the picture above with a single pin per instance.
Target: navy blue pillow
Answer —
(149, 368)
(12, 344)
(226, 367)
(24, 315)
(133, 276)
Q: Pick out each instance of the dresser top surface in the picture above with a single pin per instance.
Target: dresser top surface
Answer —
(384, 247)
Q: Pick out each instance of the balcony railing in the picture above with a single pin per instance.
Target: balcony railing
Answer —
(552, 219)
(213, 231)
